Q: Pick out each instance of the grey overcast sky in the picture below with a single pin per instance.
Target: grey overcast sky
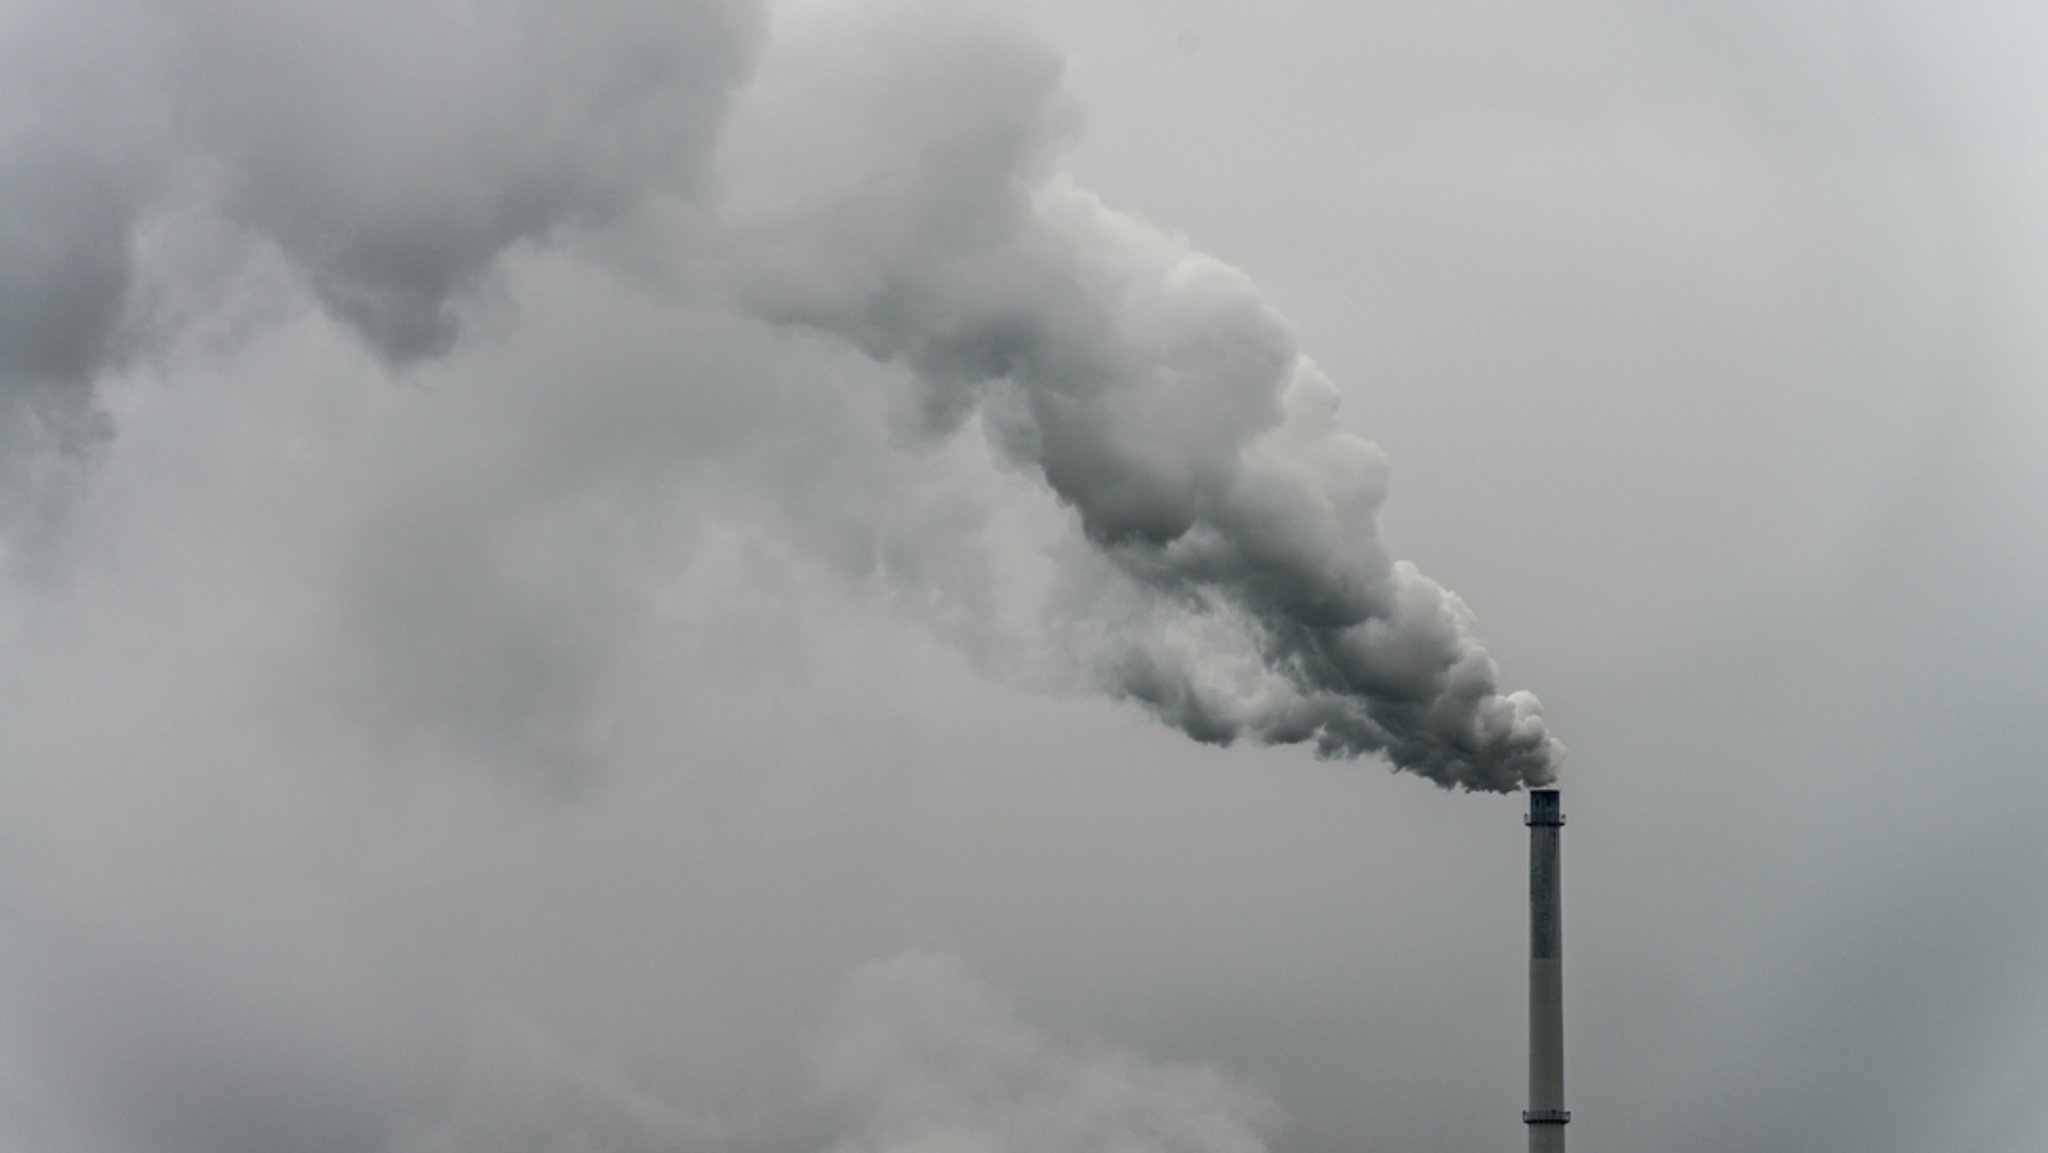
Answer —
(673, 575)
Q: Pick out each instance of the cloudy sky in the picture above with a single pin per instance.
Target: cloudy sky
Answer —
(815, 576)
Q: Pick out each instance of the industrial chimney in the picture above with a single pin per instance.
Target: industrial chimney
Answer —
(1546, 1116)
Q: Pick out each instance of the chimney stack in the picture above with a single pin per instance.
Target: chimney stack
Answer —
(1546, 1116)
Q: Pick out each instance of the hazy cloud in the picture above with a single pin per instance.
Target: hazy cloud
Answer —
(930, 1058)
(538, 546)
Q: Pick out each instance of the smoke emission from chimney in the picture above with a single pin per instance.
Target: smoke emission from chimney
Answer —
(1231, 576)
(1235, 581)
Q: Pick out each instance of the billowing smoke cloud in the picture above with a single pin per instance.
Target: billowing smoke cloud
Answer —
(393, 151)
(396, 149)
(1235, 581)
(1232, 580)
(77, 150)
(75, 159)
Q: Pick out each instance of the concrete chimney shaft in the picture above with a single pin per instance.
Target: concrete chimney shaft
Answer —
(1546, 1116)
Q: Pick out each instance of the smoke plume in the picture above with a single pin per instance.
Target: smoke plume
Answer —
(1234, 580)
(1229, 574)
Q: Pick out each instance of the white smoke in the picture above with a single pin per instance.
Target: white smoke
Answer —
(393, 151)
(1235, 580)
(396, 149)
